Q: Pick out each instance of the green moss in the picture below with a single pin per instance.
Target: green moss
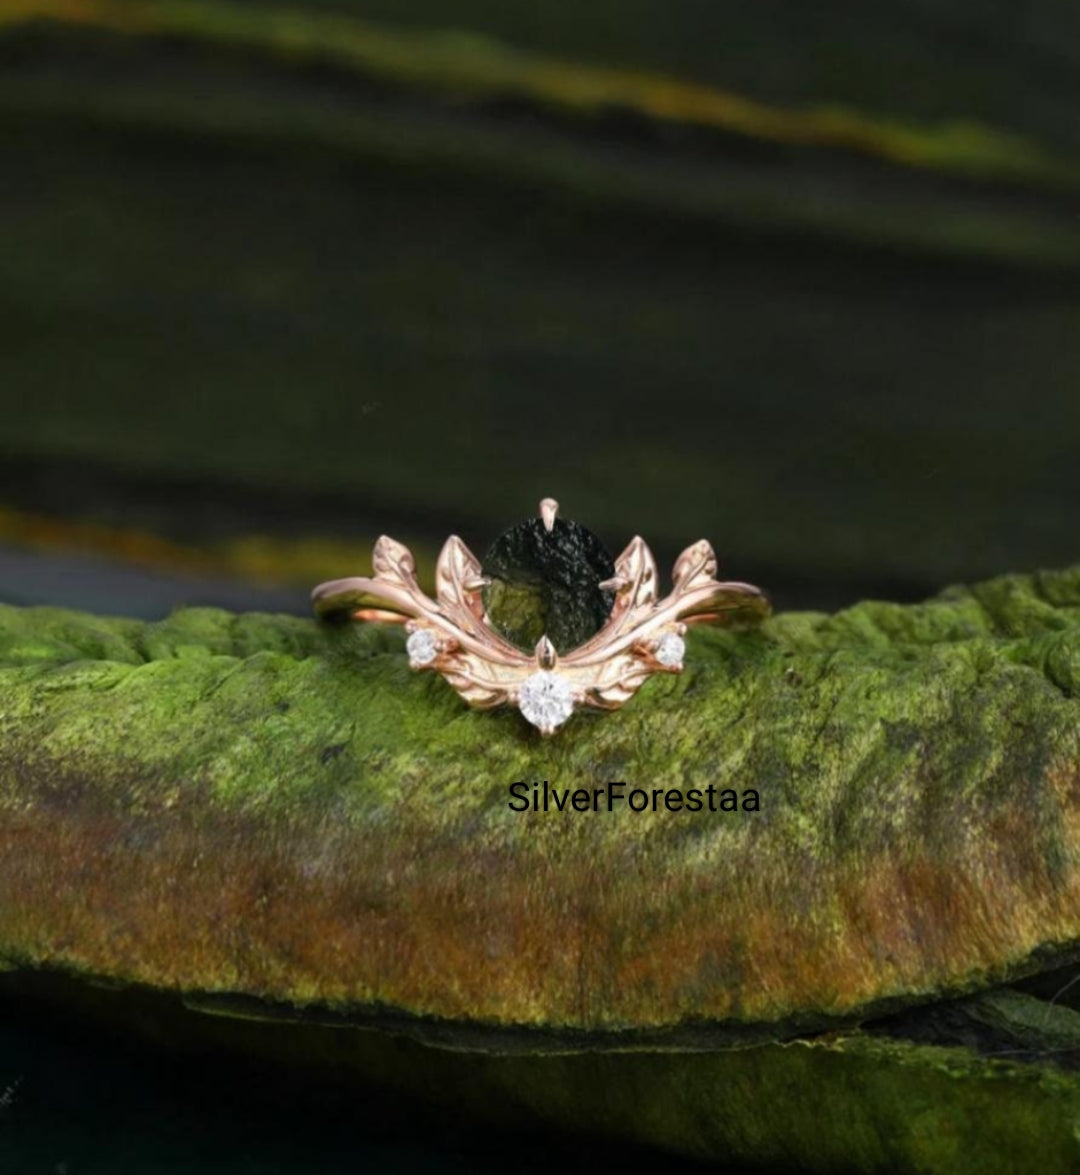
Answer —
(1031, 1025)
(281, 821)
(914, 766)
(850, 1102)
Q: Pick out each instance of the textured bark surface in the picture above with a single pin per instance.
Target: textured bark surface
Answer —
(256, 806)
(847, 1102)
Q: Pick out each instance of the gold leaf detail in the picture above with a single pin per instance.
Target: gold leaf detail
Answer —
(694, 567)
(394, 563)
(637, 565)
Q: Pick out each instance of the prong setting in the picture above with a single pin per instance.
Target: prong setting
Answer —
(452, 633)
(545, 653)
(617, 583)
(549, 510)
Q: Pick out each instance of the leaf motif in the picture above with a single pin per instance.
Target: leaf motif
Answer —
(694, 567)
(468, 675)
(393, 562)
(637, 565)
(456, 568)
(618, 680)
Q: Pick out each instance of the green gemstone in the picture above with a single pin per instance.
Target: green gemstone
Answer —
(547, 582)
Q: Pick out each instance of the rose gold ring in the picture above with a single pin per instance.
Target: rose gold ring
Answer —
(455, 635)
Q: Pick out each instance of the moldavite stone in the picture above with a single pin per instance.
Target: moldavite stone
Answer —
(548, 583)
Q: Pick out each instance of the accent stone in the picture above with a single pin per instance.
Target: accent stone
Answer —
(546, 700)
(421, 647)
(670, 650)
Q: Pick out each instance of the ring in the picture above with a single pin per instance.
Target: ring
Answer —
(549, 623)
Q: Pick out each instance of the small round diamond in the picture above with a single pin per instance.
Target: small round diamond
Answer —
(670, 650)
(421, 647)
(546, 700)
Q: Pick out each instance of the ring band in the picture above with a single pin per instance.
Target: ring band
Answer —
(453, 634)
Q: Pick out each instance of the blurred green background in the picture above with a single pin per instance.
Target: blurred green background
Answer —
(274, 280)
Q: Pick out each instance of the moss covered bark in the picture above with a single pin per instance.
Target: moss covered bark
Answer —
(278, 821)
(846, 1102)
(258, 805)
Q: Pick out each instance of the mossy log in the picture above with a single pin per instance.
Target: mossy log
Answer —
(275, 819)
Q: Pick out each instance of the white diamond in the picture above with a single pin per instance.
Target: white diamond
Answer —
(670, 650)
(421, 647)
(546, 700)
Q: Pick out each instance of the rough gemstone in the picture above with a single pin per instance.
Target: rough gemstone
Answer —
(546, 699)
(670, 649)
(421, 647)
(547, 583)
